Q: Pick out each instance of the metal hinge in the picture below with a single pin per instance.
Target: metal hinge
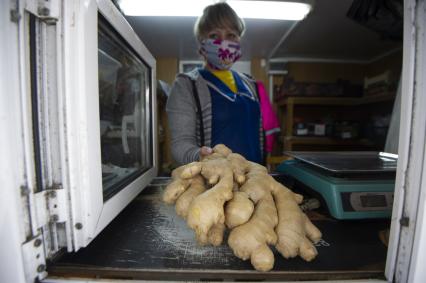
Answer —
(44, 14)
(34, 259)
(46, 11)
(50, 206)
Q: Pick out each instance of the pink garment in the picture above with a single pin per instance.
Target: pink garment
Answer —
(270, 122)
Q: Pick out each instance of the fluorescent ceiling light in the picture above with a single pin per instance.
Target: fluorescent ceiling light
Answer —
(276, 10)
(273, 10)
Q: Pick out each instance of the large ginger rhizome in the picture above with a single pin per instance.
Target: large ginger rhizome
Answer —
(225, 190)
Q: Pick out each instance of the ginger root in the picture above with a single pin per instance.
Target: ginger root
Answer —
(251, 240)
(215, 235)
(259, 211)
(238, 210)
(207, 209)
(176, 187)
(196, 188)
(295, 231)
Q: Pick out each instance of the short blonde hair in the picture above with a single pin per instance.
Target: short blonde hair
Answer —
(219, 15)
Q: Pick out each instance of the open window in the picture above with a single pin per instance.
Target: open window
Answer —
(89, 112)
(125, 116)
(111, 117)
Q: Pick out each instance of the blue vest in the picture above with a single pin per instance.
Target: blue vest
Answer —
(235, 117)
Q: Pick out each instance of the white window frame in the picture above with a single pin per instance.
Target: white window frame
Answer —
(407, 246)
(15, 145)
(90, 214)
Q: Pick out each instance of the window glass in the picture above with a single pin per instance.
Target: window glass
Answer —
(125, 116)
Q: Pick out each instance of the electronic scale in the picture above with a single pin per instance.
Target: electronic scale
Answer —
(354, 185)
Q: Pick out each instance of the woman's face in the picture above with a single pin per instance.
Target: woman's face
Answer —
(220, 47)
(224, 34)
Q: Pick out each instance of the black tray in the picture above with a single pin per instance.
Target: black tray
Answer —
(347, 162)
(149, 241)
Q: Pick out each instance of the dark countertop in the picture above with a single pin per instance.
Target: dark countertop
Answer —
(149, 241)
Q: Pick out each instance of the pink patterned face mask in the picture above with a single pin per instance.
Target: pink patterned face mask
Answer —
(220, 54)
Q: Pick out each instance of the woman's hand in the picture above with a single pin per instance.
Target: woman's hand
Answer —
(205, 151)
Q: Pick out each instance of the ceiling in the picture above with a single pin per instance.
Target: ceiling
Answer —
(326, 33)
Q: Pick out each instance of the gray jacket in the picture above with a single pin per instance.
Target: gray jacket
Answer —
(182, 116)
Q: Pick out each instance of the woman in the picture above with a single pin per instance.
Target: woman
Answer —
(215, 105)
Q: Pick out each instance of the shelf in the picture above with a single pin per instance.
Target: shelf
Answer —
(290, 103)
(319, 101)
(326, 141)
(278, 72)
(336, 100)
(377, 98)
